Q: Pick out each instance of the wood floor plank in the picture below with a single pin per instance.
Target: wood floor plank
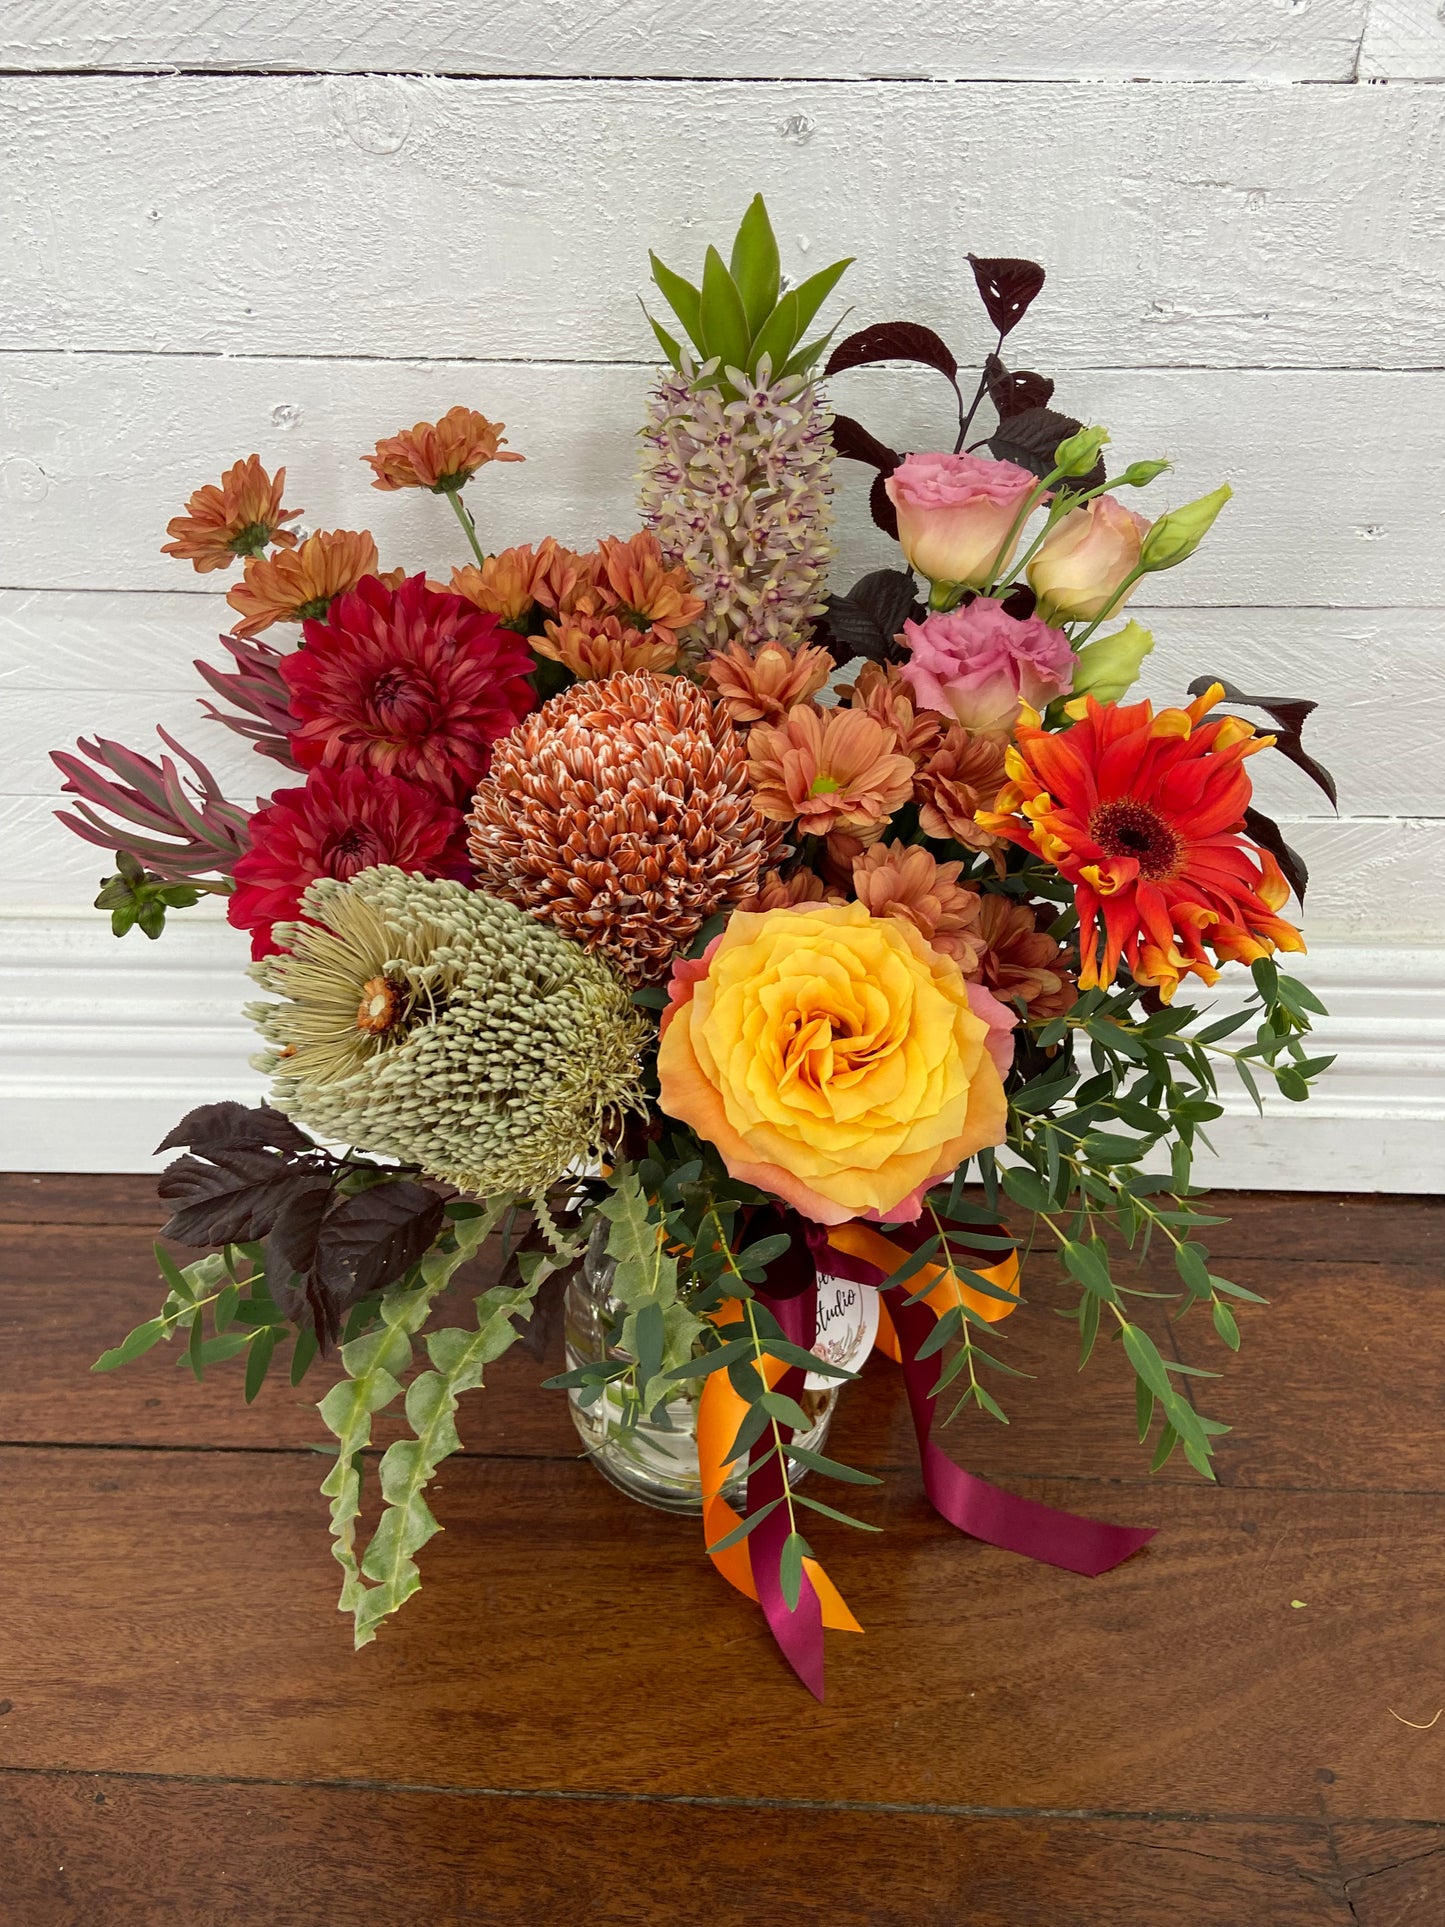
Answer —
(66, 1296)
(83, 1850)
(47, 1197)
(1394, 1875)
(177, 1615)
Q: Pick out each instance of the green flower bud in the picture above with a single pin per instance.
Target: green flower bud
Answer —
(1109, 666)
(1078, 454)
(1141, 474)
(1178, 534)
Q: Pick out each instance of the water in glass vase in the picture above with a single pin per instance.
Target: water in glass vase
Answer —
(650, 1461)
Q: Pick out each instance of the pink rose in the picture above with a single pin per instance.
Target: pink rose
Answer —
(976, 664)
(955, 513)
(1085, 558)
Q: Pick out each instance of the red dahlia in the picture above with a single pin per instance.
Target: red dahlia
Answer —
(411, 682)
(341, 822)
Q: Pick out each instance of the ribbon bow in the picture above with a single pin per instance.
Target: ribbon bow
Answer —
(907, 1314)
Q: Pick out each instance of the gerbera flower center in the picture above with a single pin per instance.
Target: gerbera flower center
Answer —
(1129, 828)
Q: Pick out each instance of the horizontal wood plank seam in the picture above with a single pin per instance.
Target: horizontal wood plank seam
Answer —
(734, 1801)
(844, 79)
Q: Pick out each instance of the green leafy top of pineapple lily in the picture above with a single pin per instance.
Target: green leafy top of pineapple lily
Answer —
(740, 314)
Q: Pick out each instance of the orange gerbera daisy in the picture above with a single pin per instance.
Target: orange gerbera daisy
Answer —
(442, 456)
(241, 517)
(647, 592)
(832, 769)
(1144, 814)
(301, 585)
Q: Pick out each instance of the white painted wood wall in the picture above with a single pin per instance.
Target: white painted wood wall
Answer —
(292, 228)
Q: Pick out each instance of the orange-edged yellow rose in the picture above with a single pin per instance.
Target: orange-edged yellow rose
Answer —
(833, 1058)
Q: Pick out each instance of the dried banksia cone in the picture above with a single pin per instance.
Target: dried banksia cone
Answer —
(621, 813)
(736, 479)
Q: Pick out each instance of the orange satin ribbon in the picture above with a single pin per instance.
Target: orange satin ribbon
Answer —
(721, 1409)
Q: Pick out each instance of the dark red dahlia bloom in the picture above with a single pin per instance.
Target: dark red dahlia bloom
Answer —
(341, 822)
(408, 681)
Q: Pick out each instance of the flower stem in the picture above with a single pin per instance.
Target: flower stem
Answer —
(469, 527)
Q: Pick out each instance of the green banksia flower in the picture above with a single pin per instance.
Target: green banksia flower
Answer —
(736, 478)
(431, 1023)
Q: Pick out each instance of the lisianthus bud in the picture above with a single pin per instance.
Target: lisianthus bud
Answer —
(978, 664)
(955, 514)
(1078, 454)
(1109, 666)
(1083, 562)
(1141, 474)
(1178, 534)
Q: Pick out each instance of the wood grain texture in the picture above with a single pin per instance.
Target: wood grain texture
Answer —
(1324, 514)
(1225, 226)
(1026, 39)
(149, 1854)
(1184, 1682)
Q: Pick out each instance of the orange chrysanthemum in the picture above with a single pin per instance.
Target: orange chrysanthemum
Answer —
(763, 687)
(645, 591)
(510, 584)
(963, 775)
(301, 584)
(243, 516)
(442, 456)
(594, 647)
(829, 770)
(1019, 962)
(903, 880)
(777, 892)
(1144, 814)
(888, 699)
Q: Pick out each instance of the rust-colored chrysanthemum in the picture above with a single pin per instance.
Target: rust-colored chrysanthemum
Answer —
(1019, 962)
(510, 584)
(903, 880)
(442, 456)
(243, 516)
(833, 769)
(594, 647)
(888, 699)
(964, 774)
(647, 593)
(1144, 814)
(621, 813)
(300, 585)
(777, 892)
(763, 687)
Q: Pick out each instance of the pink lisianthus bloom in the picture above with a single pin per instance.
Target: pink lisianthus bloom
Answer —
(1085, 559)
(956, 515)
(979, 663)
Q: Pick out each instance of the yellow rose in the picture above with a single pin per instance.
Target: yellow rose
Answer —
(833, 1058)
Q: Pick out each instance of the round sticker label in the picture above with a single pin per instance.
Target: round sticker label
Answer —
(847, 1326)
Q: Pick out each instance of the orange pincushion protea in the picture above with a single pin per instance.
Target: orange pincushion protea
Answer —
(300, 586)
(241, 517)
(1144, 814)
(442, 456)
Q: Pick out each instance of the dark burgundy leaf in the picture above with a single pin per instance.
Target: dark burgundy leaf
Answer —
(796, 1270)
(230, 1126)
(880, 504)
(1020, 603)
(1013, 392)
(1289, 715)
(1007, 286)
(1030, 440)
(893, 341)
(291, 1245)
(374, 1238)
(232, 1199)
(890, 596)
(865, 621)
(852, 441)
(1266, 832)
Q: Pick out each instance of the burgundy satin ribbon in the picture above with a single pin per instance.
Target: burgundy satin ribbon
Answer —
(799, 1633)
(984, 1511)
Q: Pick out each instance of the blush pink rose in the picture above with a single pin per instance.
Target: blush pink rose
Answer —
(1085, 558)
(955, 514)
(978, 663)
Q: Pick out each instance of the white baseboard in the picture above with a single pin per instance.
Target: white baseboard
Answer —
(104, 1045)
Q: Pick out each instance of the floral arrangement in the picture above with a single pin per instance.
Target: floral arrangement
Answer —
(791, 962)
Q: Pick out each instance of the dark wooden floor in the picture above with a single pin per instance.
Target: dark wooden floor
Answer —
(577, 1721)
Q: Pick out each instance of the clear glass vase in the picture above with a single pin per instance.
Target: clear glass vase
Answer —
(649, 1462)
